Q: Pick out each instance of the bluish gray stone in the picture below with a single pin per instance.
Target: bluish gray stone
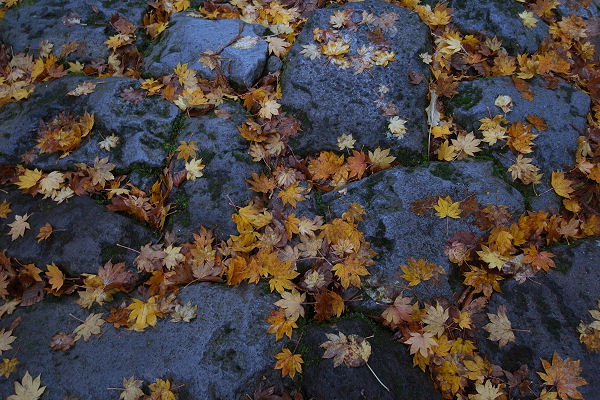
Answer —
(545, 312)
(221, 354)
(206, 201)
(189, 36)
(85, 234)
(564, 109)
(397, 233)
(330, 101)
(501, 19)
(24, 26)
(143, 128)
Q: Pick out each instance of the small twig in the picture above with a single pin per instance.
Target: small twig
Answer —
(376, 377)
(128, 248)
(80, 320)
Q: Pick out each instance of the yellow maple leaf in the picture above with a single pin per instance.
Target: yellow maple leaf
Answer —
(561, 185)
(563, 374)
(8, 366)
(161, 390)
(55, 275)
(186, 150)
(4, 209)
(144, 313)
(91, 326)
(45, 232)
(499, 327)
(29, 178)
(292, 194)
(288, 363)
(447, 208)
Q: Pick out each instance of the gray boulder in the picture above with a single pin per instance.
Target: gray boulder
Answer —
(550, 307)
(221, 354)
(206, 200)
(143, 127)
(27, 24)
(188, 36)
(389, 359)
(564, 109)
(331, 101)
(397, 233)
(501, 19)
(85, 234)
(568, 7)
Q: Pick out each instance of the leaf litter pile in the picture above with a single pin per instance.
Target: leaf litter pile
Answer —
(316, 266)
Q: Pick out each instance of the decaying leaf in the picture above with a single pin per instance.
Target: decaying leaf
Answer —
(351, 350)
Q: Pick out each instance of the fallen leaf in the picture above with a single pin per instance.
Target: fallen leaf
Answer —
(288, 363)
(28, 388)
(45, 232)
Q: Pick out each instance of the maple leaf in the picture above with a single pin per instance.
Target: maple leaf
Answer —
(499, 327)
(329, 304)
(144, 313)
(4, 209)
(83, 88)
(421, 343)
(483, 280)
(91, 326)
(29, 178)
(269, 108)
(280, 325)
(62, 341)
(8, 366)
(277, 45)
(396, 126)
(18, 227)
(194, 169)
(504, 102)
(161, 390)
(447, 152)
(435, 319)
(562, 374)
(131, 389)
(561, 185)
(529, 20)
(345, 141)
(100, 173)
(352, 350)
(291, 303)
(523, 169)
(447, 208)
(45, 232)
(132, 95)
(55, 276)
(282, 274)
(261, 184)
(380, 159)
(9, 307)
(51, 183)
(538, 260)
(288, 363)
(466, 144)
(28, 388)
(486, 392)
(398, 312)
(186, 149)
(114, 275)
(150, 258)
(350, 272)
(292, 194)
(173, 256)
(184, 313)
(492, 258)
(6, 339)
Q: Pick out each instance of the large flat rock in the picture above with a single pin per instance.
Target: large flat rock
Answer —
(501, 19)
(143, 128)
(85, 233)
(26, 25)
(331, 101)
(221, 354)
(397, 233)
(206, 201)
(188, 36)
(564, 109)
(546, 311)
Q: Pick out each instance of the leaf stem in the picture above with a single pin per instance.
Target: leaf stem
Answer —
(376, 377)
